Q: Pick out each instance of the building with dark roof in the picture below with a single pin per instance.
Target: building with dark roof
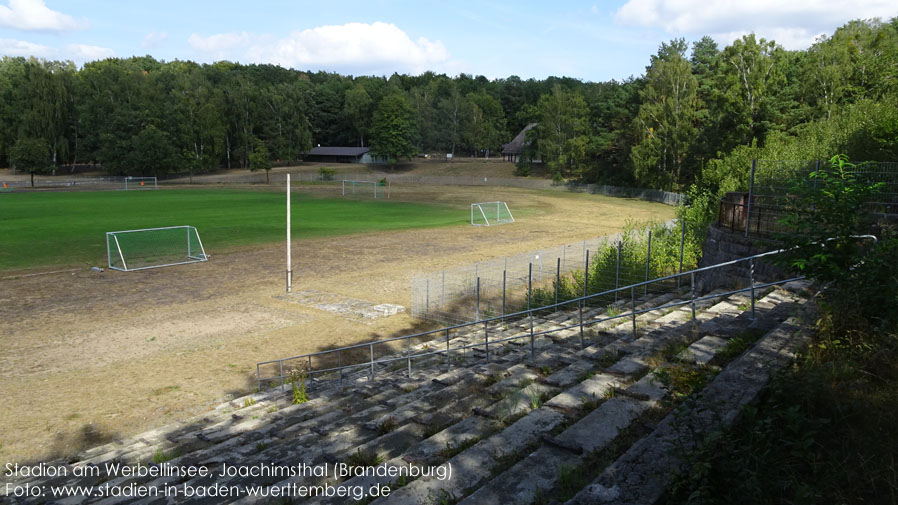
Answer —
(341, 155)
(512, 150)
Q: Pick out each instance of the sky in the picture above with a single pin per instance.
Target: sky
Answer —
(595, 40)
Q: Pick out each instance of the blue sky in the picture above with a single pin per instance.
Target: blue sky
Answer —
(590, 40)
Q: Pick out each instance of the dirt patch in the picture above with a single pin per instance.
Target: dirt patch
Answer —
(89, 356)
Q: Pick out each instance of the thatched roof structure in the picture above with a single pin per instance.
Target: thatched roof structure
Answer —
(516, 146)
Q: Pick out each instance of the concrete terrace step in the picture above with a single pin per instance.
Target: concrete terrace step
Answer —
(642, 474)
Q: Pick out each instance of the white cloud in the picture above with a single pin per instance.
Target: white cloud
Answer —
(79, 53)
(793, 24)
(12, 47)
(82, 52)
(358, 48)
(154, 39)
(34, 15)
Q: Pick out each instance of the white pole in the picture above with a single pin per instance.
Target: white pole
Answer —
(289, 260)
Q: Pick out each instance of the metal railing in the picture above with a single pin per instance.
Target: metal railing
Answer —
(332, 361)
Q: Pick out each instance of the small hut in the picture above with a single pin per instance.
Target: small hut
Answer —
(512, 150)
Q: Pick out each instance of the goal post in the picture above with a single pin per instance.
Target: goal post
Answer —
(132, 183)
(490, 213)
(363, 188)
(130, 250)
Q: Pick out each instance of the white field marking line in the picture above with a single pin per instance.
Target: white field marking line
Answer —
(39, 273)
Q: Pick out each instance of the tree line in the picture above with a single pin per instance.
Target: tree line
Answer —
(695, 114)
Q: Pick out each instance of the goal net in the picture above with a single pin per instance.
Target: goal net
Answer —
(363, 188)
(132, 183)
(490, 213)
(153, 247)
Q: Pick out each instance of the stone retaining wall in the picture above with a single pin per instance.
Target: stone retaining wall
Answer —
(721, 246)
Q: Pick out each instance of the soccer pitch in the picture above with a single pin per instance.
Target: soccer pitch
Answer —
(68, 228)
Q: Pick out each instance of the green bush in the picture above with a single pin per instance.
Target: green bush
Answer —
(327, 174)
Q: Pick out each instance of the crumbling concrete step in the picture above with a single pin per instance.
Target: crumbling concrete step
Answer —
(471, 467)
(569, 374)
(517, 402)
(541, 470)
(702, 351)
(590, 390)
(643, 473)
(411, 406)
(460, 434)
(536, 473)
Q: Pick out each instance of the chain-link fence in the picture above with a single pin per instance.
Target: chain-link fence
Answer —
(759, 207)
(69, 182)
(74, 183)
(506, 285)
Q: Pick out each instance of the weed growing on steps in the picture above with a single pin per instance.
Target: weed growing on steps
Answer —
(363, 459)
(298, 385)
(682, 379)
(453, 448)
(737, 345)
(161, 456)
(536, 396)
(441, 497)
(387, 426)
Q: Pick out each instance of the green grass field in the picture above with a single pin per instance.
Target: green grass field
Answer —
(61, 228)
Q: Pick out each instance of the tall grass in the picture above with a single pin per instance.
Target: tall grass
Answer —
(607, 271)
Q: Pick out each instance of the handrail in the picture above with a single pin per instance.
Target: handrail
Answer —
(529, 313)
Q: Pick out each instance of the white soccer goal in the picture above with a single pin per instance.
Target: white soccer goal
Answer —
(364, 188)
(132, 183)
(490, 213)
(153, 247)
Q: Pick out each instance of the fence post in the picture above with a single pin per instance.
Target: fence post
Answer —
(586, 275)
(692, 293)
(617, 272)
(557, 279)
(633, 308)
(426, 298)
(682, 243)
(448, 357)
(477, 300)
(340, 366)
(532, 346)
(529, 285)
(751, 279)
(258, 378)
(486, 341)
(751, 191)
(504, 275)
(281, 373)
(371, 373)
(408, 351)
(648, 259)
(443, 291)
(581, 327)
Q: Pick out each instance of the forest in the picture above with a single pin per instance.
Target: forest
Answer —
(695, 117)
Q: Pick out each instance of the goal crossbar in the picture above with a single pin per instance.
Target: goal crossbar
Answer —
(140, 183)
(349, 187)
(490, 213)
(154, 248)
